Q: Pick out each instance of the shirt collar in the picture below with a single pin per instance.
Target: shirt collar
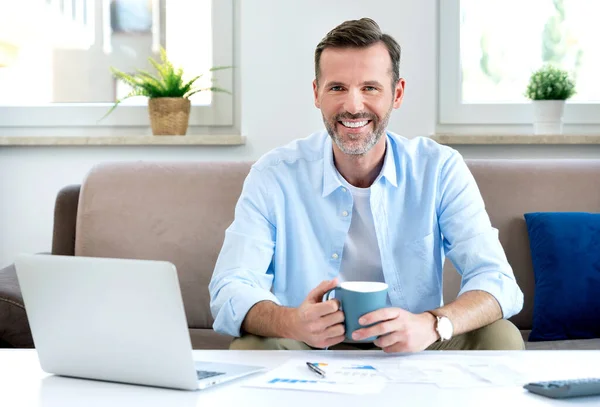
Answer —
(331, 182)
(389, 163)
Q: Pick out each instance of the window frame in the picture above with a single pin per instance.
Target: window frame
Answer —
(87, 115)
(453, 111)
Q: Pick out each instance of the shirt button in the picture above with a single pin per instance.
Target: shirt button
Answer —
(334, 256)
(344, 189)
(345, 213)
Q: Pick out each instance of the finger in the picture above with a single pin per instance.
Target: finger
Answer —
(385, 341)
(326, 321)
(334, 341)
(332, 319)
(397, 347)
(383, 314)
(379, 329)
(317, 293)
(324, 308)
(334, 331)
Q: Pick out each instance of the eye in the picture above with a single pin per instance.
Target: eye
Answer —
(336, 88)
(370, 88)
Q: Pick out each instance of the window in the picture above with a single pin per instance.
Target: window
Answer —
(55, 58)
(488, 50)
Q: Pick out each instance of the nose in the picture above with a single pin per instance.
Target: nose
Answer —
(354, 102)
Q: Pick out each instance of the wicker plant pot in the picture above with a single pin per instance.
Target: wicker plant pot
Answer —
(169, 116)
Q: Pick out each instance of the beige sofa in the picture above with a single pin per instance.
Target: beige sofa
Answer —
(179, 212)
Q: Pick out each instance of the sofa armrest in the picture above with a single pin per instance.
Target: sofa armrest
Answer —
(65, 220)
(14, 325)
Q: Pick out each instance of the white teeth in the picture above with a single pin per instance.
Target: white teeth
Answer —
(355, 124)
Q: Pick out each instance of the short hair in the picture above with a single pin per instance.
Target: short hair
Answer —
(359, 34)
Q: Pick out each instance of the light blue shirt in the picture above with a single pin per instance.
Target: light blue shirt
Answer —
(290, 227)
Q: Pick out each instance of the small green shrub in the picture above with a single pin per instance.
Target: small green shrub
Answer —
(550, 83)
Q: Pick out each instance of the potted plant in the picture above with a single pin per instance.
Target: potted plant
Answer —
(549, 88)
(168, 94)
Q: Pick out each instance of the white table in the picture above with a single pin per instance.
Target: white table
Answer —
(23, 383)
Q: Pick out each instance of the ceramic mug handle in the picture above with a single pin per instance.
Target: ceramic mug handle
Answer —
(327, 295)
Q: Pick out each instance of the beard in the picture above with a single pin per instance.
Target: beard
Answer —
(357, 144)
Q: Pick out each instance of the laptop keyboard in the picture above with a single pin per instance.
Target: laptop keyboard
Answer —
(203, 374)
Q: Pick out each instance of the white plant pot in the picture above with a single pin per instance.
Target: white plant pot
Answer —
(548, 116)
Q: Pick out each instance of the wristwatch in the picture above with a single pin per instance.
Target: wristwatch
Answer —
(443, 326)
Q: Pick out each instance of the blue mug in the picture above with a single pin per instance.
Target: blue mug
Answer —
(358, 298)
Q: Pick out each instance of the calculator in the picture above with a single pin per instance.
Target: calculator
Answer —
(558, 389)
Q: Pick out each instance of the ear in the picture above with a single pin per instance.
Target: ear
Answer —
(316, 94)
(399, 93)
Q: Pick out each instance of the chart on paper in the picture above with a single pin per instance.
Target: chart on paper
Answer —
(340, 377)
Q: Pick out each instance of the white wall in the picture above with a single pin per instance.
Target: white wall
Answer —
(278, 53)
(276, 41)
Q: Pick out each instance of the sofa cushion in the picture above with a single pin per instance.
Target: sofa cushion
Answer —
(571, 344)
(511, 188)
(172, 211)
(565, 251)
(209, 339)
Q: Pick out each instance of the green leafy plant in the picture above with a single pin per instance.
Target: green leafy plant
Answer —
(168, 83)
(550, 83)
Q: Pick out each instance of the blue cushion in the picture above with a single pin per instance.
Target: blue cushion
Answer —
(565, 250)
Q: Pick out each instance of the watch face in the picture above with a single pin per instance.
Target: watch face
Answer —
(445, 328)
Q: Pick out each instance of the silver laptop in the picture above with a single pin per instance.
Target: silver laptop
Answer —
(116, 320)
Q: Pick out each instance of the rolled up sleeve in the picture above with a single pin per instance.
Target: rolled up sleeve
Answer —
(470, 241)
(243, 275)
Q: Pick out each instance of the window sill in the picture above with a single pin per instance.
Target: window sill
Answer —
(199, 140)
(454, 139)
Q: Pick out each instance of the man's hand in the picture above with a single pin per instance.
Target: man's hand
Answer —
(317, 323)
(398, 330)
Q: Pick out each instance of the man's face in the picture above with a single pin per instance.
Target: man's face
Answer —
(356, 96)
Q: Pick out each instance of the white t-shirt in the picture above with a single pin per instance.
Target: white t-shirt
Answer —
(361, 260)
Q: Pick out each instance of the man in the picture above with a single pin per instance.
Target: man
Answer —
(360, 203)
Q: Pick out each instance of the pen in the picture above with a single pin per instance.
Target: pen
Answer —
(316, 369)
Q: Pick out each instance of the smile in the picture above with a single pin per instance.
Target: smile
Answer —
(354, 125)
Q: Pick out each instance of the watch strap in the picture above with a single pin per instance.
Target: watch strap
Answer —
(437, 321)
